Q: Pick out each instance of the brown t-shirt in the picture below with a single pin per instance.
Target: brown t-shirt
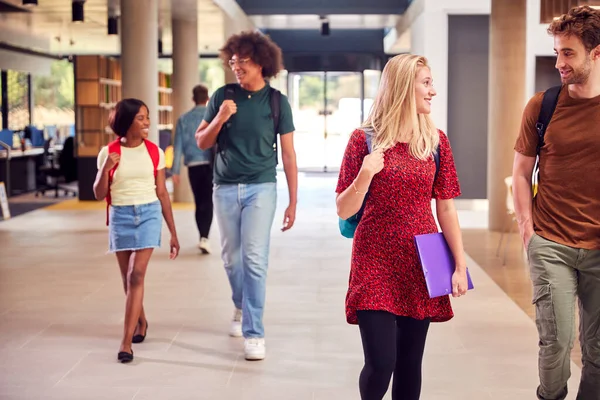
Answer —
(566, 209)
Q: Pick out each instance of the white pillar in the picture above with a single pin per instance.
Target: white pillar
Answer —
(139, 55)
(229, 28)
(506, 94)
(185, 77)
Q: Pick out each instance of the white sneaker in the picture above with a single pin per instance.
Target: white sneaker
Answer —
(254, 349)
(204, 246)
(236, 324)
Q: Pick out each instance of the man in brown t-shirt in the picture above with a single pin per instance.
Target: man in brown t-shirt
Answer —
(560, 227)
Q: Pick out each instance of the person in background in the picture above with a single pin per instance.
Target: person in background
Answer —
(199, 163)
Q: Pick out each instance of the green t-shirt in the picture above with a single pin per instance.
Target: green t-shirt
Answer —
(246, 143)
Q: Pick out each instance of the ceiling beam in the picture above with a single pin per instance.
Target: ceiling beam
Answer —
(551, 9)
(235, 14)
(398, 39)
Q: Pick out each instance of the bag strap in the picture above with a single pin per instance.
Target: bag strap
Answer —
(275, 103)
(369, 138)
(436, 158)
(275, 109)
(230, 91)
(219, 146)
(154, 155)
(113, 147)
(549, 102)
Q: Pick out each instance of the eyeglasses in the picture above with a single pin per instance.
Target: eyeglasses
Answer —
(240, 62)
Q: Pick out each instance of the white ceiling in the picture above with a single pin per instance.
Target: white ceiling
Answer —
(51, 21)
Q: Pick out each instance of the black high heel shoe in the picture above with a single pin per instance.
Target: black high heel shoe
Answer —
(125, 357)
(140, 338)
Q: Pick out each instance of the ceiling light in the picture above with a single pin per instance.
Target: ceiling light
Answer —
(77, 11)
(113, 25)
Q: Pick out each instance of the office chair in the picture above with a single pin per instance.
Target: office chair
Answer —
(65, 172)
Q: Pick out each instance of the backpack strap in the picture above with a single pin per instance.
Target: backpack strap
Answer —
(436, 158)
(275, 108)
(369, 138)
(113, 147)
(275, 103)
(219, 146)
(230, 91)
(154, 155)
(549, 102)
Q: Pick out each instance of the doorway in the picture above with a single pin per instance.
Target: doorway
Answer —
(327, 107)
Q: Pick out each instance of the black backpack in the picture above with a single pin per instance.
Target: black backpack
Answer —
(549, 102)
(275, 103)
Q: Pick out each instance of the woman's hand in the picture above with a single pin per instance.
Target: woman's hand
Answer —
(110, 161)
(373, 163)
(174, 247)
(460, 283)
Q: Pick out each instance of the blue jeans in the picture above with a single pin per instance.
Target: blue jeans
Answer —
(245, 215)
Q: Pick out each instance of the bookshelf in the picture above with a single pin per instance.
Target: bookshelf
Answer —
(165, 108)
(97, 91)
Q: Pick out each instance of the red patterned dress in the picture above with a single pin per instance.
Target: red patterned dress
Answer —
(385, 272)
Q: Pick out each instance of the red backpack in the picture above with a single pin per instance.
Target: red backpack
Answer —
(115, 147)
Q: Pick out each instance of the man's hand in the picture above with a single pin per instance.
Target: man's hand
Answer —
(526, 235)
(176, 179)
(288, 218)
(227, 109)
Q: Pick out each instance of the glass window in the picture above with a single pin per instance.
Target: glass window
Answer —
(18, 100)
(54, 96)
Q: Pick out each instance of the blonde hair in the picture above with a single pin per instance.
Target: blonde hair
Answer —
(393, 117)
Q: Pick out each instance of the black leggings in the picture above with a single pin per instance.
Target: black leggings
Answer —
(201, 177)
(391, 344)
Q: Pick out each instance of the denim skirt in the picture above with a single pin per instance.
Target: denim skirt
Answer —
(134, 227)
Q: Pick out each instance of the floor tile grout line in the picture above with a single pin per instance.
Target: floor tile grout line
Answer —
(86, 298)
(175, 337)
(7, 311)
(232, 371)
(35, 336)
(136, 393)
(72, 368)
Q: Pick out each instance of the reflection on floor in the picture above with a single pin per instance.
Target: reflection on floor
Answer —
(61, 311)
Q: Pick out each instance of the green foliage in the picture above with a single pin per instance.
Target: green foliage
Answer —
(56, 89)
(17, 89)
(211, 73)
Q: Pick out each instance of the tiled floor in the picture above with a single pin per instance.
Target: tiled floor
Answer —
(61, 310)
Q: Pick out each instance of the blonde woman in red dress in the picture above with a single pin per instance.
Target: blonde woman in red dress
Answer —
(387, 295)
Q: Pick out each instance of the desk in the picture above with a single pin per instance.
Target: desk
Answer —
(36, 151)
(23, 168)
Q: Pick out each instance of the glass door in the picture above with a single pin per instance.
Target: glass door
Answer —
(327, 107)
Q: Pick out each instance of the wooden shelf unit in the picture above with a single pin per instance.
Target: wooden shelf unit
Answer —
(165, 108)
(97, 90)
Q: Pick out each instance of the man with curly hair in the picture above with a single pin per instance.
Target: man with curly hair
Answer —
(243, 121)
(560, 228)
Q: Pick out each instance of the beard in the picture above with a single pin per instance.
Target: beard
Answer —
(580, 75)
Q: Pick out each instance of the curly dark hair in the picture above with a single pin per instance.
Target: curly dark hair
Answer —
(582, 22)
(259, 47)
(121, 118)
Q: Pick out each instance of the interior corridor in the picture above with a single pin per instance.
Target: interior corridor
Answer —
(61, 312)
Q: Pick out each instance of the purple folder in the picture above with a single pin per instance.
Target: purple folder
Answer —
(437, 263)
